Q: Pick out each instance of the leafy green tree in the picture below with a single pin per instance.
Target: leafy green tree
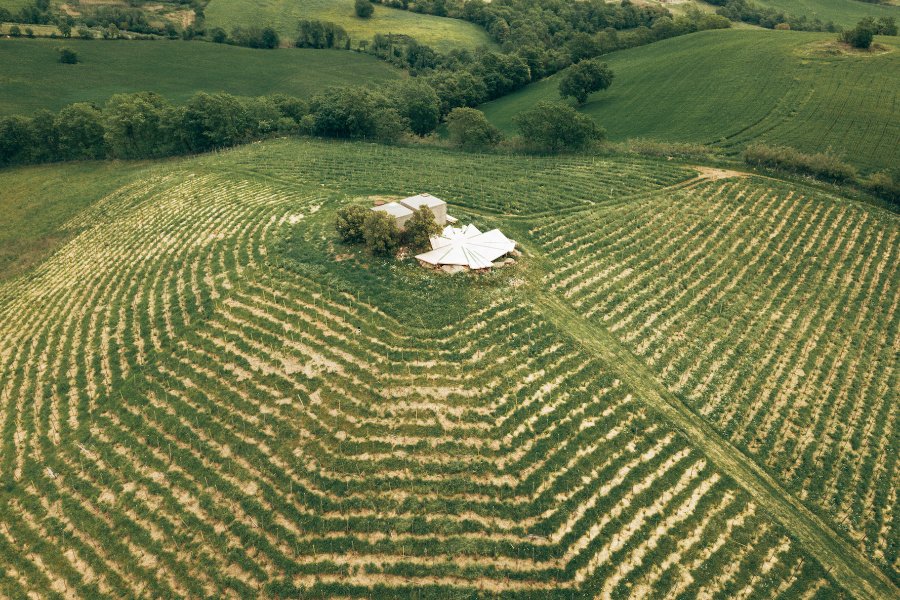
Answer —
(418, 103)
(213, 121)
(470, 129)
(457, 88)
(381, 234)
(269, 38)
(65, 29)
(85, 33)
(138, 125)
(363, 8)
(556, 126)
(15, 31)
(79, 130)
(218, 35)
(345, 112)
(349, 223)
(16, 140)
(419, 229)
(68, 56)
(581, 79)
(390, 125)
(29, 32)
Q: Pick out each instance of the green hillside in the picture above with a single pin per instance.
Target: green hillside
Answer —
(732, 87)
(842, 12)
(29, 68)
(284, 15)
(233, 403)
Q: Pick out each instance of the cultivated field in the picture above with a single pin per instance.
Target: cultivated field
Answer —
(28, 68)
(728, 88)
(843, 12)
(284, 15)
(203, 395)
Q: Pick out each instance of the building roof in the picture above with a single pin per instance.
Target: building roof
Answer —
(467, 246)
(417, 202)
(395, 209)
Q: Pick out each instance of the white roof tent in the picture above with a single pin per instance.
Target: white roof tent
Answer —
(402, 210)
(467, 247)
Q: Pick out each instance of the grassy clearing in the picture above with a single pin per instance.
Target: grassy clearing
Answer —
(728, 88)
(28, 68)
(441, 33)
(204, 394)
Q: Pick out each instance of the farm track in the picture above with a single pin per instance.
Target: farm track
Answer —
(846, 564)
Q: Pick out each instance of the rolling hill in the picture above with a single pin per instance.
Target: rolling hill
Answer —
(845, 13)
(176, 70)
(203, 393)
(284, 15)
(729, 88)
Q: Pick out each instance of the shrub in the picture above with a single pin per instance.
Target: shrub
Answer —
(218, 35)
(381, 234)
(860, 36)
(822, 165)
(68, 56)
(85, 33)
(349, 223)
(470, 129)
(419, 229)
(556, 126)
(883, 185)
(363, 8)
(15, 31)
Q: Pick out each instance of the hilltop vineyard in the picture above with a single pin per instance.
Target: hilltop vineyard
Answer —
(203, 395)
(771, 312)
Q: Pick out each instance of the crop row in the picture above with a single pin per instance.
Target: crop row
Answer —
(774, 314)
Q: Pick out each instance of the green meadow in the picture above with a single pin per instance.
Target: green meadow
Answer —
(441, 33)
(843, 12)
(729, 88)
(28, 68)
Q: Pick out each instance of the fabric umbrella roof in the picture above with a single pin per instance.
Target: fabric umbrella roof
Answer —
(467, 246)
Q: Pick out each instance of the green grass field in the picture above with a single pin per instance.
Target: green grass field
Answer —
(729, 88)
(29, 68)
(204, 394)
(842, 12)
(284, 15)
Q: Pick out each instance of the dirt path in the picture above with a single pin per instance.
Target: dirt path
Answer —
(849, 567)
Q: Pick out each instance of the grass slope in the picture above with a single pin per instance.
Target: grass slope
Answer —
(732, 87)
(842, 12)
(36, 202)
(205, 394)
(441, 33)
(29, 68)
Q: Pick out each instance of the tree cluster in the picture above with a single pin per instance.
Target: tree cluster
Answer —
(865, 31)
(379, 232)
(556, 126)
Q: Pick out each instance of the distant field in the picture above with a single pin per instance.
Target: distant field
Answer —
(29, 68)
(284, 15)
(206, 394)
(842, 12)
(732, 87)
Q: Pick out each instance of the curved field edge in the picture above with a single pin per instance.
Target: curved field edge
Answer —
(441, 33)
(232, 380)
(174, 69)
(729, 88)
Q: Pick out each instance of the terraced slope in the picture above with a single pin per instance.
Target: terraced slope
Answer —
(730, 88)
(439, 32)
(202, 395)
(176, 70)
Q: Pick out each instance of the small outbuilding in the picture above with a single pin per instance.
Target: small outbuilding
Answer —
(400, 213)
(436, 205)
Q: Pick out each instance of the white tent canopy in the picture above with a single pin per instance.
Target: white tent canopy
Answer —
(468, 247)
